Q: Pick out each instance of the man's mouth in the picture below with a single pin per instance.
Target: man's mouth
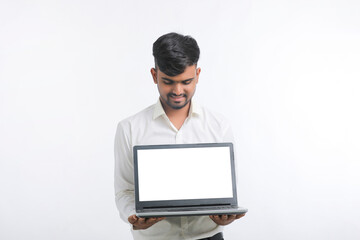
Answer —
(177, 98)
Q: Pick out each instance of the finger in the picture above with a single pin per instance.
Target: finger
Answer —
(141, 220)
(216, 218)
(240, 216)
(153, 220)
(150, 221)
(132, 219)
(160, 219)
(224, 217)
(231, 217)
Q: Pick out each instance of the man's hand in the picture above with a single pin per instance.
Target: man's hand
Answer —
(225, 219)
(143, 223)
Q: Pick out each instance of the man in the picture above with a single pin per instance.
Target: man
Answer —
(174, 119)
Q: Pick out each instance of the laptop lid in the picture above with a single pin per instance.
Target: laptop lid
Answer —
(180, 175)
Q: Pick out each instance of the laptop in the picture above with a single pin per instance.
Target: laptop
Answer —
(185, 180)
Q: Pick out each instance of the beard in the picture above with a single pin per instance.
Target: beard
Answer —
(174, 104)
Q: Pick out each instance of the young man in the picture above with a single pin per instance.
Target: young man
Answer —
(174, 119)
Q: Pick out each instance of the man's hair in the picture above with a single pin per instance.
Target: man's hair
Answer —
(173, 52)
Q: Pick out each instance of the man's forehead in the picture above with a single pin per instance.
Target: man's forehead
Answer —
(188, 74)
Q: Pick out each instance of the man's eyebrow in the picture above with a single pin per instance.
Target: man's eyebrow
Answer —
(168, 79)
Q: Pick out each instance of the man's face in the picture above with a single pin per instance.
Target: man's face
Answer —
(177, 91)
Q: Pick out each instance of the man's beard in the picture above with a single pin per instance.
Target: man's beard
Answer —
(170, 104)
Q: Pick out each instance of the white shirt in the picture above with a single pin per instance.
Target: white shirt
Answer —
(152, 126)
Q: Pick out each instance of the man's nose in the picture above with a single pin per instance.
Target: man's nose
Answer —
(177, 89)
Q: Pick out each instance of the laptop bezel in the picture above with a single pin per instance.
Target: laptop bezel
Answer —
(141, 205)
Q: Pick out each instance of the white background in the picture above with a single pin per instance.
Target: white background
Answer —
(286, 74)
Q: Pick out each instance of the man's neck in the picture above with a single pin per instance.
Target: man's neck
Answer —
(177, 116)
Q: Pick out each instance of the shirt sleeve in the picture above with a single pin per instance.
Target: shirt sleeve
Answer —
(123, 172)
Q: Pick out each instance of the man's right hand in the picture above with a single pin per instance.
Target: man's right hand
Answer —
(143, 223)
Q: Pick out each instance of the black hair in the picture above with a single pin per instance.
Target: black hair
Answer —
(173, 52)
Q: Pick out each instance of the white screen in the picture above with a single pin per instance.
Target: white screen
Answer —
(184, 173)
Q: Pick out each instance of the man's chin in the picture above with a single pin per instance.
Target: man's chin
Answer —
(177, 106)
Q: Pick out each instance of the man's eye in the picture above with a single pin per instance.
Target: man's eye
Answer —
(187, 82)
(167, 82)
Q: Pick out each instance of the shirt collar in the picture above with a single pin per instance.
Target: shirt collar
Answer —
(159, 110)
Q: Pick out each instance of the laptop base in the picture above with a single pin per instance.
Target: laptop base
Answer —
(188, 212)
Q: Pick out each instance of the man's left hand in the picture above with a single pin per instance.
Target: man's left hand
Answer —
(225, 219)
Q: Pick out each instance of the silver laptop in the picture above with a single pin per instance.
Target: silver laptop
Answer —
(185, 179)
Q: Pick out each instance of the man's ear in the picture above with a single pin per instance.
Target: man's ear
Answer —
(154, 75)
(198, 70)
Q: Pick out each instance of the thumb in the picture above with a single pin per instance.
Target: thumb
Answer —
(132, 219)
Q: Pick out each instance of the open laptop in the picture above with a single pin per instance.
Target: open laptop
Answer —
(185, 179)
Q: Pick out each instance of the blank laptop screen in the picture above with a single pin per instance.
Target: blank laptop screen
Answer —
(184, 173)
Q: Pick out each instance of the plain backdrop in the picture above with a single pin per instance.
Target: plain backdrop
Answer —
(285, 73)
